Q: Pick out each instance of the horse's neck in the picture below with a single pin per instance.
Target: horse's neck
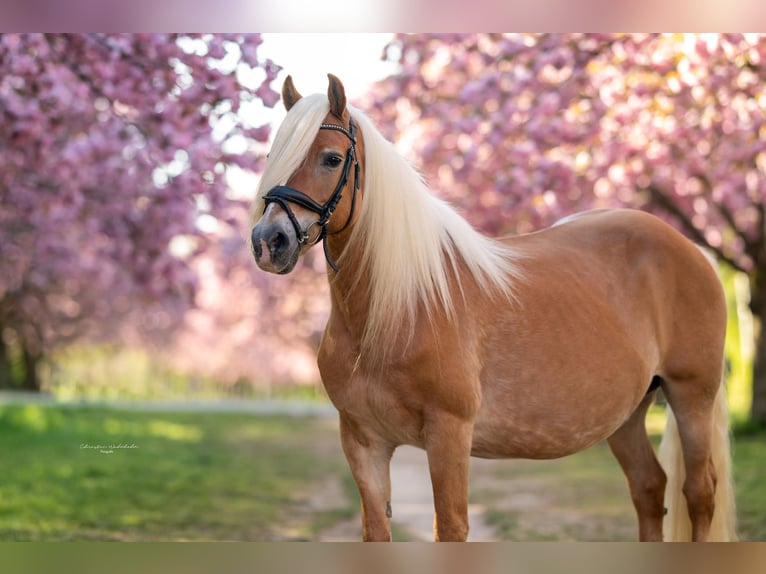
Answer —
(349, 288)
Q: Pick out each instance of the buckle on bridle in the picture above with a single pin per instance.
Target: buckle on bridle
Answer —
(322, 229)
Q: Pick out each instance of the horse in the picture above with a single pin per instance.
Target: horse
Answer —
(533, 346)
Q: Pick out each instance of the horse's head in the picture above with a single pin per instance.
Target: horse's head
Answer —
(315, 195)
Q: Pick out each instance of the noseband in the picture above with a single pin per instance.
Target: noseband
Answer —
(283, 195)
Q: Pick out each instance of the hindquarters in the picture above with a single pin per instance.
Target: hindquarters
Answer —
(662, 289)
(695, 450)
(690, 328)
(686, 298)
(626, 300)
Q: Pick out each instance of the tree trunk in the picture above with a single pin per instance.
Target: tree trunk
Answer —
(31, 380)
(758, 308)
(6, 368)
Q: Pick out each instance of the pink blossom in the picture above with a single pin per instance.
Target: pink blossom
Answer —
(620, 100)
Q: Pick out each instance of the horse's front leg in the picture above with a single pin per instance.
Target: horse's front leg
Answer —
(370, 461)
(448, 445)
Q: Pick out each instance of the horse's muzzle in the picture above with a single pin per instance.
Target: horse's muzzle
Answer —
(275, 248)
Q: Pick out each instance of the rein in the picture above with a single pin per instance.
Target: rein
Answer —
(283, 195)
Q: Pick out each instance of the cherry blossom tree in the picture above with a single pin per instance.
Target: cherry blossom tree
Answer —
(114, 154)
(522, 129)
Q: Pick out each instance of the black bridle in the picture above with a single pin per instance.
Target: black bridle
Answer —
(283, 195)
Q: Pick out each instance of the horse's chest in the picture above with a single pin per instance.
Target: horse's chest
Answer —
(381, 401)
(380, 408)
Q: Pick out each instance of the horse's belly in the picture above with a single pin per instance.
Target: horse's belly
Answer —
(501, 441)
(533, 443)
(546, 427)
(551, 388)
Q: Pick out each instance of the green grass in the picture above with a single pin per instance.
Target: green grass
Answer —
(749, 465)
(226, 476)
(193, 476)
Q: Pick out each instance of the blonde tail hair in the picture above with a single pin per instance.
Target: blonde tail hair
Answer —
(677, 525)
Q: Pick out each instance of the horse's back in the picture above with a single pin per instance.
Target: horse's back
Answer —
(640, 268)
(635, 242)
(627, 247)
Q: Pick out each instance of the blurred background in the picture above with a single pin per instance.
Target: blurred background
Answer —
(128, 162)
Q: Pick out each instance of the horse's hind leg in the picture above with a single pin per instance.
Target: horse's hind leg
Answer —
(692, 406)
(646, 479)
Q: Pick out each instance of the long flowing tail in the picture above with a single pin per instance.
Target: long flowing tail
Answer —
(677, 525)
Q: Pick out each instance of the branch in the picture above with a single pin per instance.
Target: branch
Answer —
(753, 247)
(664, 202)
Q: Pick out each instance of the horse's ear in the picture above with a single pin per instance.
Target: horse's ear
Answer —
(289, 94)
(336, 93)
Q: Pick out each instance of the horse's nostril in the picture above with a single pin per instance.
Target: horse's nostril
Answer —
(277, 242)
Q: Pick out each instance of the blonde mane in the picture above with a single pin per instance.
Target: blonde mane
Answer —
(411, 241)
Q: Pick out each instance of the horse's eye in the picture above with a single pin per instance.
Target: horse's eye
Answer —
(332, 160)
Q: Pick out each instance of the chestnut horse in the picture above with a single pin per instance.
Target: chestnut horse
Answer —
(534, 346)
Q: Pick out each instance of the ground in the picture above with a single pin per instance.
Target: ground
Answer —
(266, 471)
(509, 499)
